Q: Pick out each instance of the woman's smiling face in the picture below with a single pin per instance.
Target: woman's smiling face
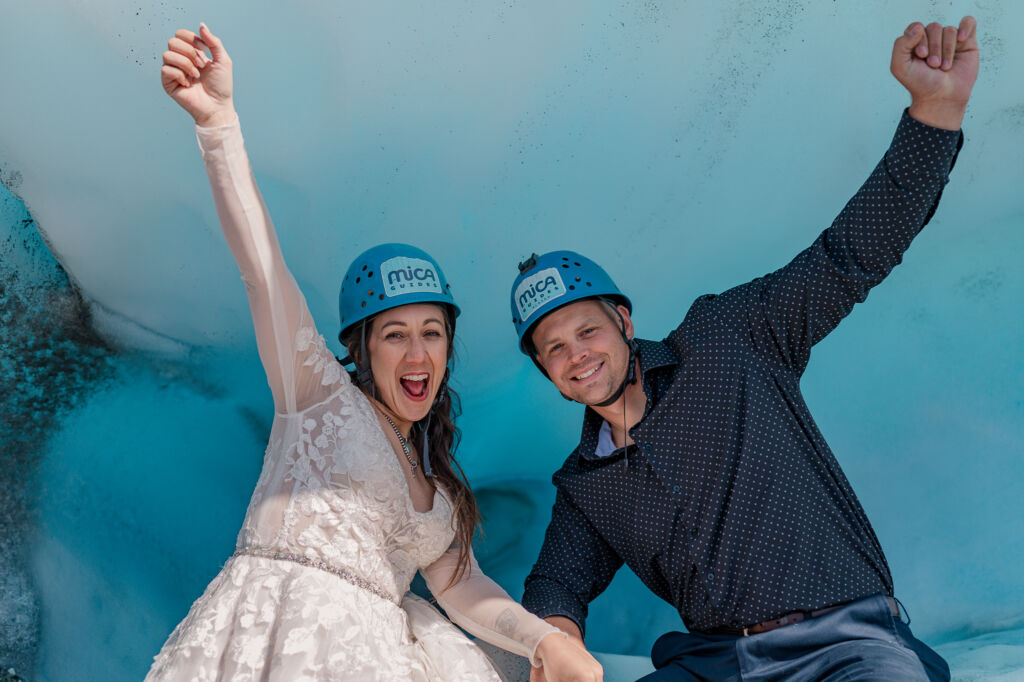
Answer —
(408, 348)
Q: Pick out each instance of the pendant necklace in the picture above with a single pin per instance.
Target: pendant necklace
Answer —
(404, 441)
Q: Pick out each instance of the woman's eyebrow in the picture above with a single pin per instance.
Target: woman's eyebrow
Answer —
(402, 323)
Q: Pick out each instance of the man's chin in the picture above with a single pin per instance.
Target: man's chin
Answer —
(593, 399)
(591, 396)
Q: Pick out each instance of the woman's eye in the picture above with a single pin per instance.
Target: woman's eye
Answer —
(394, 335)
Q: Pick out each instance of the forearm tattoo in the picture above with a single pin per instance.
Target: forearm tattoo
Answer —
(506, 623)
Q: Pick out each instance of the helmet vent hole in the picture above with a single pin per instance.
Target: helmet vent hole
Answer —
(572, 287)
(363, 304)
(565, 265)
(370, 273)
(576, 264)
(588, 284)
(381, 297)
(357, 280)
(364, 268)
(370, 292)
(577, 278)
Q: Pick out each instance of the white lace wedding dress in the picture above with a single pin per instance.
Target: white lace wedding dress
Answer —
(318, 587)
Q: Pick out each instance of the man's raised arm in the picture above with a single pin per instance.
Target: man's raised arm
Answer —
(791, 309)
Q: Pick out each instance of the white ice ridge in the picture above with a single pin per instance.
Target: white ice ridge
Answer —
(132, 334)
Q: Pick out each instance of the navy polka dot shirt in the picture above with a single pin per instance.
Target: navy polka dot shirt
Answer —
(730, 505)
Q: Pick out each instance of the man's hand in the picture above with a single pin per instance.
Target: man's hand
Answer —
(938, 66)
(200, 85)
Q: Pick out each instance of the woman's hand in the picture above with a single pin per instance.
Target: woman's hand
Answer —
(200, 85)
(564, 660)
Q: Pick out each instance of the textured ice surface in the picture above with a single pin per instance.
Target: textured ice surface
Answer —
(49, 362)
(686, 146)
(992, 657)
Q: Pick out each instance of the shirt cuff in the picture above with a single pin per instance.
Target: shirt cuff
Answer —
(232, 124)
(536, 662)
(211, 137)
(920, 150)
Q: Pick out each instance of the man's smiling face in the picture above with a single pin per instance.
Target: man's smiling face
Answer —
(580, 346)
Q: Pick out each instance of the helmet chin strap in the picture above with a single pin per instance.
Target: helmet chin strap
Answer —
(425, 446)
(425, 428)
(364, 375)
(630, 377)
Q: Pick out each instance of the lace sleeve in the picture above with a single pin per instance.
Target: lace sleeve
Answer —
(300, 369)
(478, 605)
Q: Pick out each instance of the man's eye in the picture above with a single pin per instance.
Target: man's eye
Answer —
(588, 331)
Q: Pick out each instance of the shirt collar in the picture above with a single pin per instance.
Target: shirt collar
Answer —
(653, 355)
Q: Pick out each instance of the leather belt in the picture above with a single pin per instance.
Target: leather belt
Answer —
(790, 619)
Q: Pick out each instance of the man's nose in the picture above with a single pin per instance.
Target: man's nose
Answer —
(578, 351)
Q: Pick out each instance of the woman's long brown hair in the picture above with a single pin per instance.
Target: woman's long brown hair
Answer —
(441, 434)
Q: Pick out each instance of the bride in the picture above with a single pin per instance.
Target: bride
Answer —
(359, 487)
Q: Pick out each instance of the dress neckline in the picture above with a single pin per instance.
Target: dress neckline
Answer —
(396, 466)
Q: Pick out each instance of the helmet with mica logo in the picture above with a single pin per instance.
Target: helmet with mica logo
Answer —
(546, 283)
(387, 276)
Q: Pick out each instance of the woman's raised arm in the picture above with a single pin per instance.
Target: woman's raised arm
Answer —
(300, 370)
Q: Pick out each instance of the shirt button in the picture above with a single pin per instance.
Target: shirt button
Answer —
(711, 577)
(675, 489)
(693, 532)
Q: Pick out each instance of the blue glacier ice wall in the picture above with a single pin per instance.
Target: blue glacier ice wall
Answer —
(50, 362)
(686, 146)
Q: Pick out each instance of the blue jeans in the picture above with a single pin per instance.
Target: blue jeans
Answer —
(860, 641)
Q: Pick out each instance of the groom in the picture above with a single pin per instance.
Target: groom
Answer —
(699, 465)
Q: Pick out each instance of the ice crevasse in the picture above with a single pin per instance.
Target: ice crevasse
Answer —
(686, 146)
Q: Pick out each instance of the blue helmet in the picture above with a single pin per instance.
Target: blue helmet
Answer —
(546, 283)
(387, 276)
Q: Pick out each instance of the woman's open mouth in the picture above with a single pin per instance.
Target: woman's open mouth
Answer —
(415, 385)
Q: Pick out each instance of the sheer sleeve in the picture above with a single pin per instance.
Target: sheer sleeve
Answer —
(480, 607)
(300, 370)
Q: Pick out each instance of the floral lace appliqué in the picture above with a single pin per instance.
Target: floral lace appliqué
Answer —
(320, 358)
